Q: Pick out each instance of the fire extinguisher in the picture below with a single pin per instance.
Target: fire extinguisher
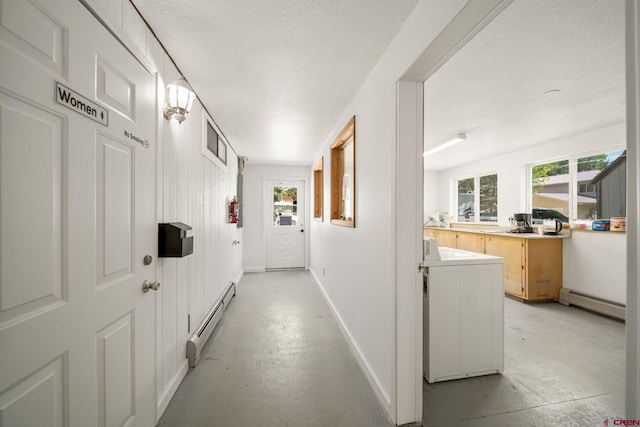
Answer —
(234, 204)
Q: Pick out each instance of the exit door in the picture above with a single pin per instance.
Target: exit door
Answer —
(284, 222)
(77, 206)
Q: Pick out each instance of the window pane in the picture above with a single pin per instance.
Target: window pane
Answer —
(222, 151)
(550, 190)
(602, 186)
(489, 198)
(466, 210)
(212, 140)
(285, 206)
(348, 201)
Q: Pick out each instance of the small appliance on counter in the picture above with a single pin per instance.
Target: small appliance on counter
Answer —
(551, 226)
(521, 223)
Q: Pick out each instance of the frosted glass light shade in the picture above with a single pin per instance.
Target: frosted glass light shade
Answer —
(179, 100)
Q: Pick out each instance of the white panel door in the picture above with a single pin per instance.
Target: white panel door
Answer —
(284, 224)
(77, 217)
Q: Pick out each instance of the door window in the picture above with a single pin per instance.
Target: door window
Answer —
(285, 206)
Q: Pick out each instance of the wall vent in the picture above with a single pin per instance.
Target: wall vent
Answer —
(199, 338)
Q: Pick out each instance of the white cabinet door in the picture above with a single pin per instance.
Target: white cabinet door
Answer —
(77, 216)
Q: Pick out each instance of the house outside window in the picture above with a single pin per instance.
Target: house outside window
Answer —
(479, 191)
(581, 187)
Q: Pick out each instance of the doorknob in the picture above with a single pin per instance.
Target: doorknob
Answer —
(150, 285)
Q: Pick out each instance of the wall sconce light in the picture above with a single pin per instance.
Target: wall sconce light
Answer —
(179, 100)
(458, 138)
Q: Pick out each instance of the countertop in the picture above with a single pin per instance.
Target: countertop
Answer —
(502, 231)
(451, 256)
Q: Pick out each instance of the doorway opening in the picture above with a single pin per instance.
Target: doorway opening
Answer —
(545, 111)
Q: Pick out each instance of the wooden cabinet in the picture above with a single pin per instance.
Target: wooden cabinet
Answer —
(473, 242)
(542, 269)
(466, 241)
(446, 238)
(512, 250)
(532, 265)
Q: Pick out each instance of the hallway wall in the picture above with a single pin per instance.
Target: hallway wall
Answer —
(191, 188)
(356, 267)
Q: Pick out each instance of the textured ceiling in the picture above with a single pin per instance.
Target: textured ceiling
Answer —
(494, 88)
(276, 75)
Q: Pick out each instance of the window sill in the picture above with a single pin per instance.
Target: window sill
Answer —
(588, 230)
(344, 222)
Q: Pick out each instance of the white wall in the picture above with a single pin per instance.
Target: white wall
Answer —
(254, 233)
(433, 187)
(194, 190)
(191, 189)
(593, 263)
(356, 267)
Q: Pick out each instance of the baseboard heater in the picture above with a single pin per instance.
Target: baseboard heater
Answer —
(599, 305)
(202, 333)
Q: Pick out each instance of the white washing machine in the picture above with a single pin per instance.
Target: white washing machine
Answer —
(463, 315)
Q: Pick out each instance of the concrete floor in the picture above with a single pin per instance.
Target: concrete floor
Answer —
(563, 366)
(277, 358)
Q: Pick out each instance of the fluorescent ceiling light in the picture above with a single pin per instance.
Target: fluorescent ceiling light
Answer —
(459, 138)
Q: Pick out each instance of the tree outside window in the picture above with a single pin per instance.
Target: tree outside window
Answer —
(599, 190)
(479, 191)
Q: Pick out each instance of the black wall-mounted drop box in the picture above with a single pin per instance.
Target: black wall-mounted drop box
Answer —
(173, 241)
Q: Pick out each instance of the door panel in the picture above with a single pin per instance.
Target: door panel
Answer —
(34, 232)
(77, 216)
(114, 89)
(114, 189)
(116, 381)
(38, 399)
(35, 33)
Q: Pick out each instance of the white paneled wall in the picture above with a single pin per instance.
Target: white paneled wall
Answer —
(192, 189)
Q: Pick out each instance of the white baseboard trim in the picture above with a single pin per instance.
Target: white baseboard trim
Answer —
(238, 278)
(254, 270)
(378, 390)
(168, 393)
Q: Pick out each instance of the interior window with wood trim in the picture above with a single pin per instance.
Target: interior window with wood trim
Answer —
(343, 176)
(318, 190)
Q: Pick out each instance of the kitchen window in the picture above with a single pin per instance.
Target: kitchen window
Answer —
(481, 191)
(580, 187)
